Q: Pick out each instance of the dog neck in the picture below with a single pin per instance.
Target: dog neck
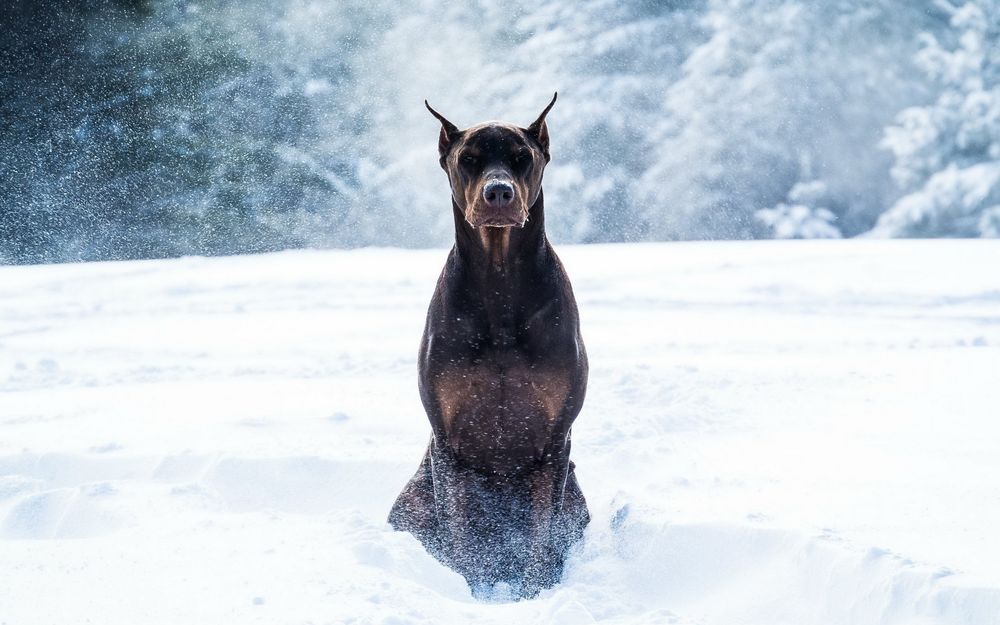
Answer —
(501, 251)
(496, 245)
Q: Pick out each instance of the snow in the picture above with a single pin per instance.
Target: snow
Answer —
(953, 201)
(776, 432)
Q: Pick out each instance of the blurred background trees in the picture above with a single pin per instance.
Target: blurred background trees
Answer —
(149, 128)
(948, 152)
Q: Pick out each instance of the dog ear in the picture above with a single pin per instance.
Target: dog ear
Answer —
(538, 129)
(448, 131)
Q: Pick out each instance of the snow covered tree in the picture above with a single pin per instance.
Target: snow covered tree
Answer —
(610, 61)
(948, 153)
(138, 128)
(803, 216)
(781, 92)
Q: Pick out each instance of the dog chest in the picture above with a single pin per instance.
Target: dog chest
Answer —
(501, 414)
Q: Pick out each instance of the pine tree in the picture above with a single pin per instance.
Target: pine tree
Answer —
(948, 153)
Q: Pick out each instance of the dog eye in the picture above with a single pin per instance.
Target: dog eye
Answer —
(469, 159)
(522, 158)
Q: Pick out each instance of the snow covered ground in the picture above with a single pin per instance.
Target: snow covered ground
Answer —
(781, 432)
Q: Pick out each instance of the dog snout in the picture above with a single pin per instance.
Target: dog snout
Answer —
(498, 193)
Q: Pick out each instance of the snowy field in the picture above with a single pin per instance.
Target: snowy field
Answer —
(775, 433)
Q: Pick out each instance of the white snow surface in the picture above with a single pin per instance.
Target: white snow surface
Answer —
(775, 432)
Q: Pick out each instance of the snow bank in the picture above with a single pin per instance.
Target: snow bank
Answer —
(784, 432)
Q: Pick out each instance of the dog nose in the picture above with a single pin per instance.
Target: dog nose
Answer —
(498, 193)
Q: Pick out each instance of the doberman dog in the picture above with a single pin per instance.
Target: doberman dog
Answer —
(502, 374)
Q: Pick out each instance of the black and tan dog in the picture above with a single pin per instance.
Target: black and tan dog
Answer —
(503, 374)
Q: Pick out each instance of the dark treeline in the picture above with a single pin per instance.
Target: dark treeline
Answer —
(132, 131)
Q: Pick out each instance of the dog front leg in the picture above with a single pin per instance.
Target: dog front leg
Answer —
(455, 506)
(547, 552)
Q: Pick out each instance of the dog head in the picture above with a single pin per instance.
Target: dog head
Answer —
(495, 169)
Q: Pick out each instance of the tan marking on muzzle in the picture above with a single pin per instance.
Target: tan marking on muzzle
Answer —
(477, 210)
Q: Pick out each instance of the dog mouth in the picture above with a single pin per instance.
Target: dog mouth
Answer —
(498, 221)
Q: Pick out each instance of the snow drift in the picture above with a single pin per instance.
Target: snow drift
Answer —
(782, 432)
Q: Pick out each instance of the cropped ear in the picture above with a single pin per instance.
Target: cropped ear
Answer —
(449, 132)
(539, 130)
